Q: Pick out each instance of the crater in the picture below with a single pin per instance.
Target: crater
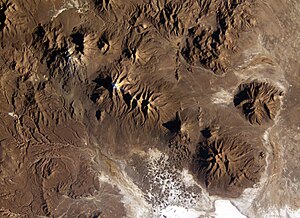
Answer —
(226, 165)
(38, 34)
(103, 43)
(78, 40)
(258, 101)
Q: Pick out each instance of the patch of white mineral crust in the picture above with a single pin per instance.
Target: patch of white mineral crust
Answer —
(225, 209)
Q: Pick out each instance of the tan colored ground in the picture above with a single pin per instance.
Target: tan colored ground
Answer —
(113, 108)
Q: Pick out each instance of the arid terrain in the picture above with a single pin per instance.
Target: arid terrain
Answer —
(149, 108)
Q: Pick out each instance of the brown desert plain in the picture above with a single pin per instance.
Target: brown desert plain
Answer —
(150, 108)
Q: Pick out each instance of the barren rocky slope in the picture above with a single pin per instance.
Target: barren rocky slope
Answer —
(115, 108)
